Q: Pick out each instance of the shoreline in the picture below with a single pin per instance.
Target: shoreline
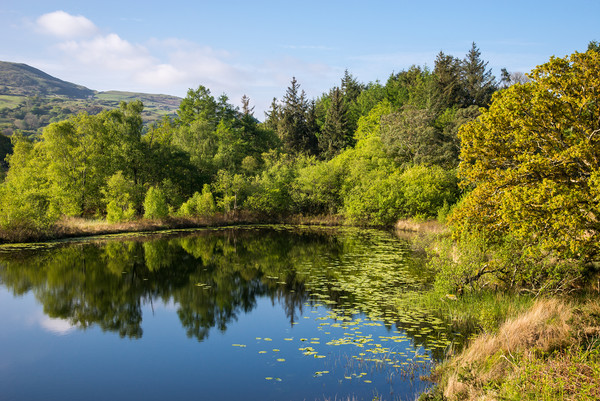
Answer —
(76, 227)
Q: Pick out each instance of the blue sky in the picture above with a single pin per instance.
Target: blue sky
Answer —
(255, 47)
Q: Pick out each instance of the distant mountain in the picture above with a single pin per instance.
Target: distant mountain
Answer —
(23, 80)
(30, 99)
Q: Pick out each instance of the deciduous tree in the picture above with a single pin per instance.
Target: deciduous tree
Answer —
(534, 160)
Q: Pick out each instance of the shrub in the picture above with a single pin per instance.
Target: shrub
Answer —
(199, 204)
(155, 204)
(119, 195)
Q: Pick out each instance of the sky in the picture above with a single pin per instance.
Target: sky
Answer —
(255, 47)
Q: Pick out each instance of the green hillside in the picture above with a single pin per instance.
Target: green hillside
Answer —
(30, 99)
(23, 80)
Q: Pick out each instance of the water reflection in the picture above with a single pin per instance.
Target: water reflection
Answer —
(212, 277)
(340, 318)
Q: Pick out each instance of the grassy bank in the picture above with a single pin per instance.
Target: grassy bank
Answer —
(520, 344)
(549, 352)
(72, 227)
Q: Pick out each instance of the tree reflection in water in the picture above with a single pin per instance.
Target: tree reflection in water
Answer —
(212, 276)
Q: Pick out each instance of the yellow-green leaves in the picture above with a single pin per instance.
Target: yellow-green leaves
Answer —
(534, 158)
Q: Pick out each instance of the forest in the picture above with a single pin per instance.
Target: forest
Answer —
(510, 165)
(512, 161)
(370, 153)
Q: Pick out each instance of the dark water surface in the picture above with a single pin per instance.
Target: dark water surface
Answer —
(271, 313)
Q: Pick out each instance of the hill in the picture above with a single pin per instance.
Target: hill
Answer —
(23, 80)
(30, 99)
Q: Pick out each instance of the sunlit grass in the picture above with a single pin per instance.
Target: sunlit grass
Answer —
(549, 352)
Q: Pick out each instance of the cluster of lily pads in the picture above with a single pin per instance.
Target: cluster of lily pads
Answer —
(372, 286)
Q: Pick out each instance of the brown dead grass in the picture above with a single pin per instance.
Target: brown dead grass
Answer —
(73, 227)
(426, 226)
(550, 325)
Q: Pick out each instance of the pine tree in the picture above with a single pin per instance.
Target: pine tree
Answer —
(312, 126)
(246, 109)
(351, 88)
(272, 116)
(478, 82)
(448, 73)
(335, 135)
(293, 129)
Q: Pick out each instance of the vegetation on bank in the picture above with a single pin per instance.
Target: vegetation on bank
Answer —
(549, 352)
(369, 153)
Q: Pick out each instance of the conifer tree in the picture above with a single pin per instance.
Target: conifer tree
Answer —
(478, 81)
(293, 129)
(448, 73)
(246, 109)
(351, 88)
(335, 135)
(272, 116)
(312, 126)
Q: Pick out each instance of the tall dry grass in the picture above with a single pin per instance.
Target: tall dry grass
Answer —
(541, 337)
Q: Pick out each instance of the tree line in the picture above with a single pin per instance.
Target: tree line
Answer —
(369, 152)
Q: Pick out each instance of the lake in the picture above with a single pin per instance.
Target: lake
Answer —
(245, 313)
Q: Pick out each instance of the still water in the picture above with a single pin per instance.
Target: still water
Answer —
(246, 313)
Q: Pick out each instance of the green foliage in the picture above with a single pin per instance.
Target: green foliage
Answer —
(427, 190)
(366, 152)
(119, 195)
(463, 83)
(316, 189)
(370, 188)
(478, 82)
(415, 86)
(457, 264)
(199, 205)
(335, 134)
(199, 104)
(533, 159)
(296, 135)
(377, 198)
(155, 204)
(232, 189)
(5, 150)
(410, 137)
(372, 95)
(24, 195)
(270, 191)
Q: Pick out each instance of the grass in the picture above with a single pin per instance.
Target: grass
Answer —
(10, 101)
(426, 227)
(475, 312)
(551, 352)
(72, 227)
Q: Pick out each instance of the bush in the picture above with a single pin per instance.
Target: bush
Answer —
(119, 195)
(199, 204)
(155, 204)
(427, 189)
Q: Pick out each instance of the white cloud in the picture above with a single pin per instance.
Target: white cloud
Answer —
(162, 75)
(110, 52)
(66, 26)
(192, 64)
(172, 65)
